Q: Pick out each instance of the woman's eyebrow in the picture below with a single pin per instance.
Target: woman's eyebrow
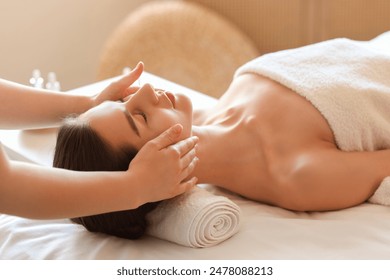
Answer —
(131, 122)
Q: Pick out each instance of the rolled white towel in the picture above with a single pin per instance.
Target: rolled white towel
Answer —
(382, 194)
(196, 218)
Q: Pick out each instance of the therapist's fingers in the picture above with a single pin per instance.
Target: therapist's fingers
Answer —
(4, 161)
(3, 155)
(131, 90)
(184, 146)
(167, 138)
(188, 158)
(127, 80)
(187, 185)
(188, 168)
(119, 89)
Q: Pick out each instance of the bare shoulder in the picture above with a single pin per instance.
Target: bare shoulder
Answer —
(289, 118)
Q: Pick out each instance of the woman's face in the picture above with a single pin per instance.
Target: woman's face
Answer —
(144, 116)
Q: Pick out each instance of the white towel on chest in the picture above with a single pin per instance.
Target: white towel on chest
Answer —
(197, 218)
(347, 81)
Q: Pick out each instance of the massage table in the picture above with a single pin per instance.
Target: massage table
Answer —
(266, 232)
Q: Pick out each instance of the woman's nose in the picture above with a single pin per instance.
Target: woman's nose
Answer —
(148, 91)
(146, 94)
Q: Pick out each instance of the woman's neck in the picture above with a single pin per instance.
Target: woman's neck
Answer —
(212, 153)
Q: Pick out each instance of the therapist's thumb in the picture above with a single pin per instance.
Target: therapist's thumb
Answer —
(168, 137)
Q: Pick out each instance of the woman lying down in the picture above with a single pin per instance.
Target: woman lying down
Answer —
(306, 129)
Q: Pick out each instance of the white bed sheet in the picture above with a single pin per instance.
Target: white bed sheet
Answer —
(266, 232)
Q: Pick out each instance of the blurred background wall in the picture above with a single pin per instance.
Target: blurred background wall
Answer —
(64, 36)
(67, 36)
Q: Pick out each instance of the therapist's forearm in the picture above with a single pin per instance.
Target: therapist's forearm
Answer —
(47, 193)
(25, 107)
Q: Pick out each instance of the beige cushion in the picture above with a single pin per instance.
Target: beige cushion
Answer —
(180, 41)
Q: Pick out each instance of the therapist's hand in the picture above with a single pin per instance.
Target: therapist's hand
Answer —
(162, 167)
(120, 89)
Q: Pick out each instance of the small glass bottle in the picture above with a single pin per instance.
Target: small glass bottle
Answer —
(36, 80)
(52, 83)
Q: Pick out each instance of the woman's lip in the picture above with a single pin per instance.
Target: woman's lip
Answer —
(171, 98)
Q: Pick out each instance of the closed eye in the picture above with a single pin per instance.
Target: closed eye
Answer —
(144, 116)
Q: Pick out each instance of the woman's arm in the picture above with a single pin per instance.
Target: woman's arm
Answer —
(329, 179)
(156, 173)
(25, 107)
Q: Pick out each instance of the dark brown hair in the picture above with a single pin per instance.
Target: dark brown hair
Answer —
(80, 148)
